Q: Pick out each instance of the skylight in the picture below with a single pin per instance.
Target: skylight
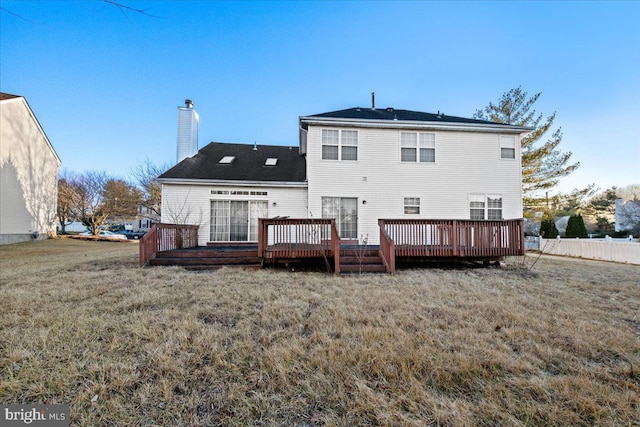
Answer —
(227, 160)
(271, 161)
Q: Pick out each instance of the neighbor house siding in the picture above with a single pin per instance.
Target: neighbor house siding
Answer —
(28, 175)
(191, 204)
(465, 163)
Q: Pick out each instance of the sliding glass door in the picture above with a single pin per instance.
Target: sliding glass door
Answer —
(236, 220)
(345, 211)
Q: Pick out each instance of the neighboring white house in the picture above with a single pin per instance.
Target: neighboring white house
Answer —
(356, 165)
(28, 174)
(627, 215)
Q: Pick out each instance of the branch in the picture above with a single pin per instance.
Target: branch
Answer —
(124, 6)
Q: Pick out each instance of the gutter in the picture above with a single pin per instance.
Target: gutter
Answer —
(209, 182)
(409, 124)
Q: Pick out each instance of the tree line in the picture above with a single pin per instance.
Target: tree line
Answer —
(95, 198)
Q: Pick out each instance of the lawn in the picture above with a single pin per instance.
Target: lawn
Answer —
(82, 324)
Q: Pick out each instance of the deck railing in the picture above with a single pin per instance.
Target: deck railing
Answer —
(290, 238)
(166, 237)
(387, 249)
(454, 238)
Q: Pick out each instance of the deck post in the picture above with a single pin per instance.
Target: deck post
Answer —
(261, 239)
(335, 247)
(455, 241)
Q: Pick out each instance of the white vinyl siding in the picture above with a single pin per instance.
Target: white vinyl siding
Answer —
(28, 176)
(192, 204)
(339, 144)
(507, 147)
(467, 163)
(417, 147)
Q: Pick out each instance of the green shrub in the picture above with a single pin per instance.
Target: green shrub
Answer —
(576, 227)
(548, 228)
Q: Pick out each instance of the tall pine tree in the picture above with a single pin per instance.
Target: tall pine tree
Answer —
(543, 164)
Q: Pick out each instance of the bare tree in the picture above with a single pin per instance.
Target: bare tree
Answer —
(68, 197)
(146, 176)
(90, 207)
(629, 193)
(120, 199)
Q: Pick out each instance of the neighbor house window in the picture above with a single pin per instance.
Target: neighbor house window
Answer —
(507, 147)
(412, 205)
(339, 144)
(417, 147)
(485, 206)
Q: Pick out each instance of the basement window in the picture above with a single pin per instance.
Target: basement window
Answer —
(271, 161)
(227, 160)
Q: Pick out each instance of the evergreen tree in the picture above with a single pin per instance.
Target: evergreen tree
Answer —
(543, 164)
(548, 228)
(576, 227)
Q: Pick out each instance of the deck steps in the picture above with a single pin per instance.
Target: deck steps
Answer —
(210, 258)
(361, 260)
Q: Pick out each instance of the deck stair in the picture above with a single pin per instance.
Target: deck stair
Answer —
(356, 259)
(210, 257)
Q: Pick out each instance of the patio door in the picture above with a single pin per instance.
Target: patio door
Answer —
(236, 220)
(345, 212)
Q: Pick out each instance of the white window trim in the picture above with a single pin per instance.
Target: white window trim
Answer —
(340, 145)
(420, 144)
(485, 200)
(508, 141)
(405, 205)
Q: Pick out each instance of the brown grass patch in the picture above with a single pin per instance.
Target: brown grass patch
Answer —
(163, 346)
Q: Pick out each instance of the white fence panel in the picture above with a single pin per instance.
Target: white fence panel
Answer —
(607, 250)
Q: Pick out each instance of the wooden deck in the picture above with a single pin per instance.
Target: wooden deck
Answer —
(285, 240)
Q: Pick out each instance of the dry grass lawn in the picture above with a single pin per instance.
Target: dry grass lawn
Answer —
(81, 324)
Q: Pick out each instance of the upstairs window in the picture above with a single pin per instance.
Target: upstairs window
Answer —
(412, 205)
(339, 144)
(485, 206)
(507, 147)
(417, 147)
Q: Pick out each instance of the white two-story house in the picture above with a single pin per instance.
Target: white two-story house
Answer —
(357, 165)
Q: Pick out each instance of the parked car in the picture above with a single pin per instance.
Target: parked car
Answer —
(134, 235)
(106, 234)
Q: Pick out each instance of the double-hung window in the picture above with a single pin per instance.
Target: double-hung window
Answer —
(412, 205)
(339, 144)
(417, 147)
(485, 206)
(507, 147)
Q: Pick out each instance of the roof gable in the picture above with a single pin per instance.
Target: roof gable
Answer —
(10, 99)
(249, 164)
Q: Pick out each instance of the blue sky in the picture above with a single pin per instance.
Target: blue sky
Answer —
(105, 83)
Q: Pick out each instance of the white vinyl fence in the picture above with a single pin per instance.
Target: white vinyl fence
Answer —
(617, 250)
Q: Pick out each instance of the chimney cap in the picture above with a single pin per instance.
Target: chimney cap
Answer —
(188, 103)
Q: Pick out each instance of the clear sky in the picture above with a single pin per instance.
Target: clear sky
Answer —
(105, 83)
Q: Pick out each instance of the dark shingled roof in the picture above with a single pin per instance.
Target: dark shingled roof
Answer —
(4, 96)
(248, 165)
(392, 114)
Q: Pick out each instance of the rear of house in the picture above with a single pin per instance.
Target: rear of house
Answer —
(357, 166)
(367, 164)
